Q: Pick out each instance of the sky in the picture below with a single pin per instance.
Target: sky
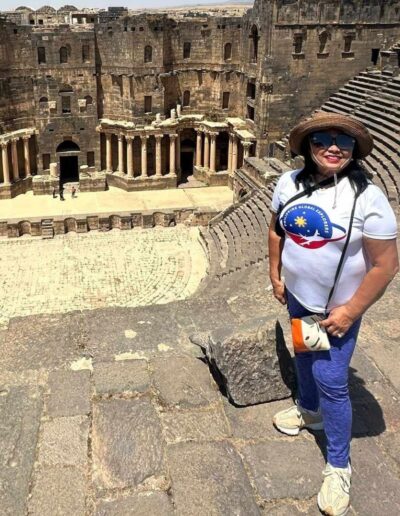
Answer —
(8, 5)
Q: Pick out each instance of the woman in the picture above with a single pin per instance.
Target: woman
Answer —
(315, 228)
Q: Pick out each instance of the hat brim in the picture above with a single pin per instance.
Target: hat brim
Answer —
(324, 121)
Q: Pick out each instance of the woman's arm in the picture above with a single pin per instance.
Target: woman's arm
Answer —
(275, 245)
(383, 257)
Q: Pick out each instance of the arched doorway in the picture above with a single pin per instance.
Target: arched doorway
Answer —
(69, 167)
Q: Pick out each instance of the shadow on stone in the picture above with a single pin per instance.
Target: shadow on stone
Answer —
(249, 362)
(368, 419)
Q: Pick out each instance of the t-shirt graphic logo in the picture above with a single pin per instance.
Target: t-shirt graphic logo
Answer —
(310, 227)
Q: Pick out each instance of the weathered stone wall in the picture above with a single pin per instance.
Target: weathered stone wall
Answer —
(279, 62)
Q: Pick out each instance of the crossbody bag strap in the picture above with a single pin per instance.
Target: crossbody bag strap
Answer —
(346, 245)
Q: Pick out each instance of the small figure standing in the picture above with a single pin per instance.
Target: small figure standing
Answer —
(54, 193)
(73, 192)
(62, 194)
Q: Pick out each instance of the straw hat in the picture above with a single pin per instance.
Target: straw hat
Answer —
(322, 121)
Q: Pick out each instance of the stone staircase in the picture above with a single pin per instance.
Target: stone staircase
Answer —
(373, 97)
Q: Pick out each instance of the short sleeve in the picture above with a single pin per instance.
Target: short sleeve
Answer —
(379, 219)
(275, 197)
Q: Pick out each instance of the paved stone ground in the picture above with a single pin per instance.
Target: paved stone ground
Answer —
(83, 271)
(111, 412)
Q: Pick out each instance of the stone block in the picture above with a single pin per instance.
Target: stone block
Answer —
(250, 360)
(147, 220)
(285, 469)
(194, 425)
(20, 411)
(58, 491)
(209, 478)
(183, 382)
(121, 376)
(64, 441)
(127, 442)
(141, 504)
(69, 393)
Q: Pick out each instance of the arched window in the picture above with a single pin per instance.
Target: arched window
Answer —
(253, 44)
(186, 98)
(186, 49)
(63, 55)
(148, 54)
(43, 100)
(89, 100)
(323, 40)
(227, 51)
(85, 53)
(41, 55)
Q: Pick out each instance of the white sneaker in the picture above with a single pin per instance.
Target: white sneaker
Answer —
(294, 419)
(334, 495)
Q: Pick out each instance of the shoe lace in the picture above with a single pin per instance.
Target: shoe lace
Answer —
(338, 481)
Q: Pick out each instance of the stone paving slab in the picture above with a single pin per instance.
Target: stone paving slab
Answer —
(195, 425)
(375, 490)
(209, 478)
(64, 441)
(183, 382)
(273, 463)
(70, 393)
(122, 376)
(127, 443)
(143, 504)
(20, 410)
(254, 422)
(58, 491)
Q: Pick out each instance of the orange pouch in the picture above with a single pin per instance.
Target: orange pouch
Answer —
(308, 335)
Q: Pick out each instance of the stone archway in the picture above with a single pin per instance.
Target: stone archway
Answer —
(68, 153)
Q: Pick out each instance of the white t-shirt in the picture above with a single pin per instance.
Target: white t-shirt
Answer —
(316, 233)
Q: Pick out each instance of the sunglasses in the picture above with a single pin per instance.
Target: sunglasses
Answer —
(326, 140)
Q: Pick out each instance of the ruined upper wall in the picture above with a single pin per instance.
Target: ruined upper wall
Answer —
(332, 11)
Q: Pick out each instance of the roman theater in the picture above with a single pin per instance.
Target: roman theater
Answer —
(139, 154)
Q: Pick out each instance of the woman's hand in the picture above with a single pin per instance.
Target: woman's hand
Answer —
(338, 322)
(279, 291)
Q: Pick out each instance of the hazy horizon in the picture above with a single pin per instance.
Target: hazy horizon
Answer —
(9, 5)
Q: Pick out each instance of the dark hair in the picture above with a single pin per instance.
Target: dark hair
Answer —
(358, 176)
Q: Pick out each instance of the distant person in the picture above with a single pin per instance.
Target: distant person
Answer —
(62, 194)
(73, 192)
(54, 193)
(333, 235)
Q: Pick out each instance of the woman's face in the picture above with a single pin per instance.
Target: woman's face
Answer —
(331, 150)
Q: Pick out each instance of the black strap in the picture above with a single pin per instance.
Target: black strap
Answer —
(346, 244)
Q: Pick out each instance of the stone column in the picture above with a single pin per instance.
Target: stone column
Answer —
(246, 147)
(172, 138)
(6, 168)
(213, 152)
(234, 153)
(230, 151)
(120, 167)
(178, 153)
(206, 162)
(14, 155)
(198, 148)
(129, 156)
(27, 159)
(158, 155)
(108, 153)
(144, 156)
